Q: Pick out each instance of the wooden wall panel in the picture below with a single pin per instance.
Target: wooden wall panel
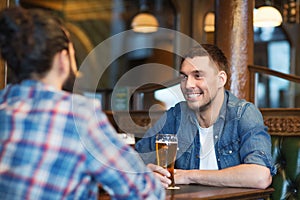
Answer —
(3, 4)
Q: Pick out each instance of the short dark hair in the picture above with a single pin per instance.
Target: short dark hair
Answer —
(214, 53)
(29, 40)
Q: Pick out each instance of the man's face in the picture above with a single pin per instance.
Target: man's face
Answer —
(199, 82)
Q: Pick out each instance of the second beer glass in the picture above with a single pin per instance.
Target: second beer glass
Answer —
(128, 138)
(166, 150)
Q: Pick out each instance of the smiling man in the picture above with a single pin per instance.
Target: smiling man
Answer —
(222, 140)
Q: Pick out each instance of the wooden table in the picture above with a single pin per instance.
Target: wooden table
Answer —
(198, 192)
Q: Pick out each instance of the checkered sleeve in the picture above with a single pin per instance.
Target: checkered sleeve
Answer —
(116, 165)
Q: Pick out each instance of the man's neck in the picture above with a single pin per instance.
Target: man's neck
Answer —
(49, 79)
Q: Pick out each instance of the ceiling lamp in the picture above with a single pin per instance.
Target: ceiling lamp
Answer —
(267, 16)
(144, 23)
(209, 22)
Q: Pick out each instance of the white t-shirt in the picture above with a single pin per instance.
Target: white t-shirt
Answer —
(208, 160)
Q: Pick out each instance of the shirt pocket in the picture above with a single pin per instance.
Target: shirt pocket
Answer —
(229, 154)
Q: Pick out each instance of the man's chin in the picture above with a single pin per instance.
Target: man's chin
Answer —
(198, 106)
(194, 105)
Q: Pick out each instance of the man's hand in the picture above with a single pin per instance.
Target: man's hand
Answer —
(161, 173)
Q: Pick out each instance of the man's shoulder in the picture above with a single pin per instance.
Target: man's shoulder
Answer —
(82, 108)
(180, 107)
(235, 101)
(180, 111)
(78, 100)
(238, 106)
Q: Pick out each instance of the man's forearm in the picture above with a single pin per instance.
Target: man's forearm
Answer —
(245, 175)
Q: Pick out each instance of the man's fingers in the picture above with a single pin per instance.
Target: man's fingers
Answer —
(161, 173)
(163, 179)
(159, 169)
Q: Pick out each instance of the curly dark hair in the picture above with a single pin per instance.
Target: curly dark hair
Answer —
(216, 55)
(29, 40)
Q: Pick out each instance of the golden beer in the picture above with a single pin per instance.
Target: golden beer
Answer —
(166, 150)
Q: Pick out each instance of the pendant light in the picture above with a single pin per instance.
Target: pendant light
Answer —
(209, 22)
(144, 21)
(267, 16)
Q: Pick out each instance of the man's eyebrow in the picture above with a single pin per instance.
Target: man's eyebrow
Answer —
(193, 72)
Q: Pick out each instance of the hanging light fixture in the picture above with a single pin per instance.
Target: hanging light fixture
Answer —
(144, 21)
(209, 22)
(267, 16)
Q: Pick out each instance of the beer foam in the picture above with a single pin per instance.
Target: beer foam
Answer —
(165, 142)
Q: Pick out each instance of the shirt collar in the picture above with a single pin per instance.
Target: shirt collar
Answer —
(223, 108)
(37, 84)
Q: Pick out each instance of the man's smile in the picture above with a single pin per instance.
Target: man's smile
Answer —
(193, 95)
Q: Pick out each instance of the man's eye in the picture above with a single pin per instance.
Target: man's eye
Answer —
(182, 77)
(198, 76)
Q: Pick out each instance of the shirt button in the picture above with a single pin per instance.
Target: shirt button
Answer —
(216, 136)
(230, 152)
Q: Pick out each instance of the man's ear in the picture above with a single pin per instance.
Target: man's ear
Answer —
(222, 78)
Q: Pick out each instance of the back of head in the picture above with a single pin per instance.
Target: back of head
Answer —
(29, 39)
(216, 55)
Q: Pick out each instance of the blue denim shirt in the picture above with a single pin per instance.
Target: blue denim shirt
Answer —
(240, 136)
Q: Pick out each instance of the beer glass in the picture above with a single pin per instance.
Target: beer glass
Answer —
(128, 138)
(166, 150)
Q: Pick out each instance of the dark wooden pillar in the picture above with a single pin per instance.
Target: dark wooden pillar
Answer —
(234, 35)
(3, 4)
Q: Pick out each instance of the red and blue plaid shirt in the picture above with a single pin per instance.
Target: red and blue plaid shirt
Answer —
(57, 145)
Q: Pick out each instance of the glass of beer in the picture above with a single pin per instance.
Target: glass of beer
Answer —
(166, 150)
(128, 138)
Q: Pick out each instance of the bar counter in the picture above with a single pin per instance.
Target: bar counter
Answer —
(200, 192)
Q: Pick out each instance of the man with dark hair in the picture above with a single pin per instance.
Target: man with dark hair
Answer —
(53, 144)
(222, 140)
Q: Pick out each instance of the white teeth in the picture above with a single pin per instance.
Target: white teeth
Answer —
(193, 95)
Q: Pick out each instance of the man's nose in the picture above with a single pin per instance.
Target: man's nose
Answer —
(190, 82)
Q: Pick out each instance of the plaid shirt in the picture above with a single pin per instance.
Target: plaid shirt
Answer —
(56, 145)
